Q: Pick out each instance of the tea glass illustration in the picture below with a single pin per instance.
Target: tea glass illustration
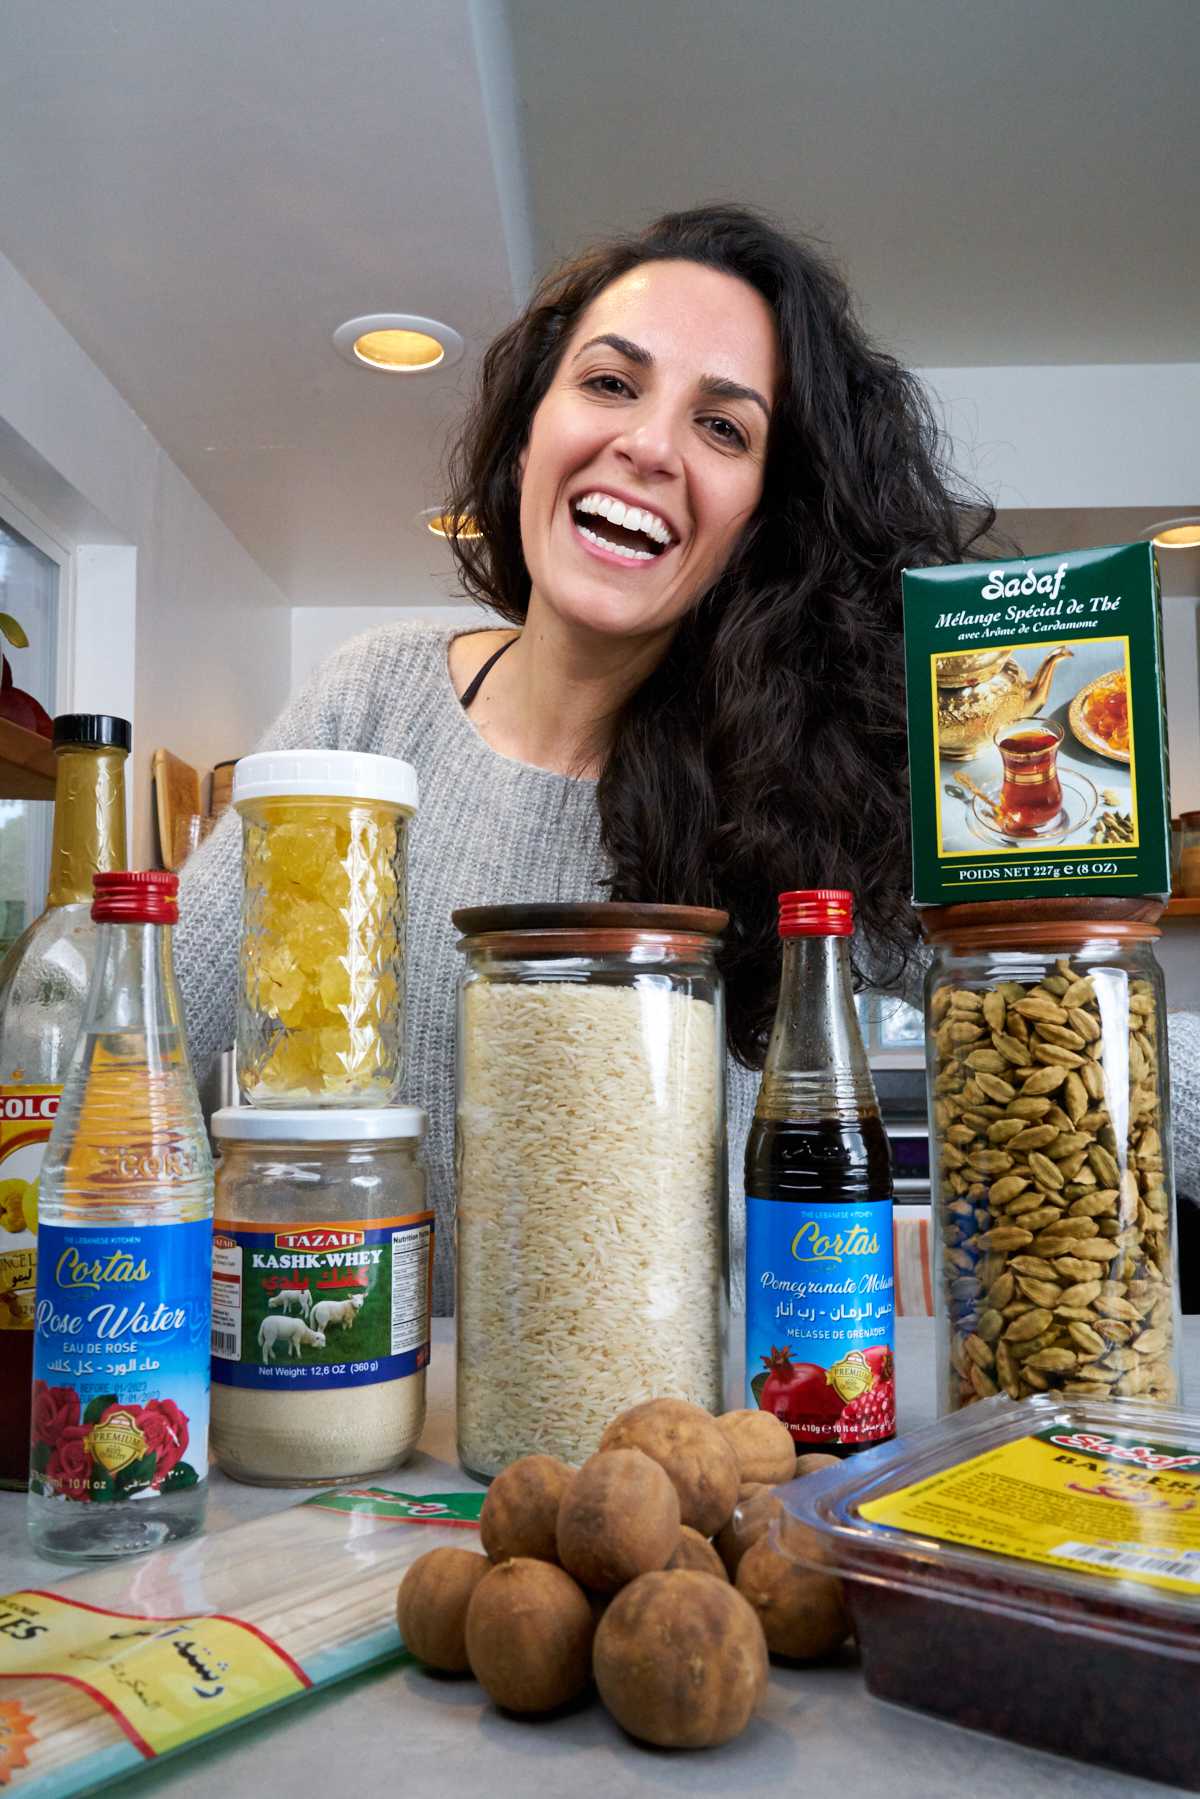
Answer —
(1031, 797)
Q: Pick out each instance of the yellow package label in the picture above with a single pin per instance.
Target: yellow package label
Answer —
(1096, 1503)
(27, 1117)
(164, 1681)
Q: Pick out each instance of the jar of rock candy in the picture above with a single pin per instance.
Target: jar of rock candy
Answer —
(321, 990)
(591, 1210)
(1054, 1239)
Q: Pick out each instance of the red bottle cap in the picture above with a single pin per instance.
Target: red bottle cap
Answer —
(816, 912)
(127, 896)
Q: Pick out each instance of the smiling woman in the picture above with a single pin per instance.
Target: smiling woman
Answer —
(692, 484)
(697, 483)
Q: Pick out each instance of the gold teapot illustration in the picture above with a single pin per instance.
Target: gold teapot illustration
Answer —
(980, 690)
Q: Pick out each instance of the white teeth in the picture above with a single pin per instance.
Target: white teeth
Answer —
(619, 549)
(633, 518)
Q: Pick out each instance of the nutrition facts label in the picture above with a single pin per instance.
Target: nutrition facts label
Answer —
(411, 1249)
(227, 1299)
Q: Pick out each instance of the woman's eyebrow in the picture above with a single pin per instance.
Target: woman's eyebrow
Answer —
(630, 351)
(714, 387)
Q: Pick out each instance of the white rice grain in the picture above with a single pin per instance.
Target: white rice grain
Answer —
(591, 1212)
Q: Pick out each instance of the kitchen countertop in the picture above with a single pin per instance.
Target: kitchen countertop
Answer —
(818, 1731)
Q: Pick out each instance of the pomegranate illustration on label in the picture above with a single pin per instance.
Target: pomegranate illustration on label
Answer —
(854, 1401)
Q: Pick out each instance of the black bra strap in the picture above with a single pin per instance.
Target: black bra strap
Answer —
(470, 691)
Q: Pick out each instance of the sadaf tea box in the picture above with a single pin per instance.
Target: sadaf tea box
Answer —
(1037, 728)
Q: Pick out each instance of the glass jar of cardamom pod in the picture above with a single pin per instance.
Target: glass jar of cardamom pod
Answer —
(1050, 1152)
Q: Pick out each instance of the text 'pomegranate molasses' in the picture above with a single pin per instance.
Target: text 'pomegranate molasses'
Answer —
(819, 1283)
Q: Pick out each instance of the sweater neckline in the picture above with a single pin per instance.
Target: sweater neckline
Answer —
(474, 739)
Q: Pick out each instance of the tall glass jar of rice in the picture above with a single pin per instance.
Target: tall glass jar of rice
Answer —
(590, 1155)
(1050, 1136)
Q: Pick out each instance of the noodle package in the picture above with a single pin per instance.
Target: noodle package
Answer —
(1037, 728)
(124, 1665)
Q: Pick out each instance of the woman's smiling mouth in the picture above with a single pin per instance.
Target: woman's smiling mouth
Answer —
(618, 531)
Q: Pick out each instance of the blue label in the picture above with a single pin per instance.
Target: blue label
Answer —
(819, 1319)
(317, 1304)
(120, 1359)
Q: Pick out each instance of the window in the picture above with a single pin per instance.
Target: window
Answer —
(888, 1023)
(29, 593)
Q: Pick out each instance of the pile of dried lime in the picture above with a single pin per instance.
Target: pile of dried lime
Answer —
(652, 1570)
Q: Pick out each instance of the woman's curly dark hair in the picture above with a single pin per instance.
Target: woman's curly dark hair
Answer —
(767, 750)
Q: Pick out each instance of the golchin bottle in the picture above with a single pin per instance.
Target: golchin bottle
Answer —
(819, 1281)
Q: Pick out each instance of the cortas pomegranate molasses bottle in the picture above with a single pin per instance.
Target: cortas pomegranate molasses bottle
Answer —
(819, 1285)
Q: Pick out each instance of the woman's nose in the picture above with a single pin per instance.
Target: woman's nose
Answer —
(650, 443)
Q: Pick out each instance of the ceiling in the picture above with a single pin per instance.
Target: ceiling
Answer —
(209, 187)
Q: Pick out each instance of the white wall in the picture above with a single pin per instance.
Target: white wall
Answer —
(1084, 436)
(205, 642)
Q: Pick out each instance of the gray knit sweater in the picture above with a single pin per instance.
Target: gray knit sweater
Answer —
(487, 829)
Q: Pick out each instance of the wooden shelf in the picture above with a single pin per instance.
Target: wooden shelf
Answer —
(26, 764)
(1182, 908)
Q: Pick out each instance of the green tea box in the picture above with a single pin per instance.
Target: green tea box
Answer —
(1037, 737)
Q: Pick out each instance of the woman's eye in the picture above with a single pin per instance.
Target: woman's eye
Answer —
(726, 432)
(611, 385)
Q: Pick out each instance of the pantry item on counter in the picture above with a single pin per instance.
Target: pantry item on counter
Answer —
(321, 993)
(591, 1172)
(1032, 1571)
(802, 1611)
(762, 1445)
(619, 1517)
(322, 1272)
(274, 1613)
(431, 1607)
(618, 1533)
(680, 1660)
(813, 1462)
(820, 1285)
(697, 1553)
(757, 1508)
(529, 1636)
(1000, 659)
(693, 1449)
(119, 1461)
(520, 1513)
(1054, 1252)
(44, 982)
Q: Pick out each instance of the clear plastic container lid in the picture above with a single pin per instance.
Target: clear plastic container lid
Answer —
(1077, 1514)
(318, 774)
(342, 1124)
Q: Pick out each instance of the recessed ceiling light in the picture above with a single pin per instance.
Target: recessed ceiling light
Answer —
(1175, 534)
(442, 525)
(397, 343)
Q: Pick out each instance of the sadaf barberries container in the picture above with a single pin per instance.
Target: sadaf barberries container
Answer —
(1054, 1238)
(321, 994)
(1032, 1571)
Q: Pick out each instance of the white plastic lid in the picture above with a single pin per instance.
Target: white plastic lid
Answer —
(339, 774)
(327, 1124)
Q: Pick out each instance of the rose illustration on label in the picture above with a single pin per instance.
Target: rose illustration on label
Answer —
(54, 1408)
(112, 1451)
